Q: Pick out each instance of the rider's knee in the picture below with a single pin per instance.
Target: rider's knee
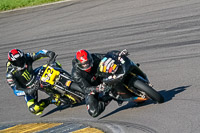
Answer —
(35, 109)
(95, 111)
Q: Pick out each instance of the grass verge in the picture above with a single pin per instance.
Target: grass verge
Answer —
(13, 4)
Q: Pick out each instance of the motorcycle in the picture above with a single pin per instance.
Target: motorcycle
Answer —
(125, 81)
(57, 83)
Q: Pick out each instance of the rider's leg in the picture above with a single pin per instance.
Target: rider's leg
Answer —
(75, 86)
(31, 101)
(34, 106)
(94, 106)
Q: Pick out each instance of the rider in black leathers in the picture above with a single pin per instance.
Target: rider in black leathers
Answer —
(21, 78)
(84, 72)
(85, 77)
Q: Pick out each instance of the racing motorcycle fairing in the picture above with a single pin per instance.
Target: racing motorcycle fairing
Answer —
(127, 82)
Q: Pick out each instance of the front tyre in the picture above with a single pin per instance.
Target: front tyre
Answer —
(150, 92)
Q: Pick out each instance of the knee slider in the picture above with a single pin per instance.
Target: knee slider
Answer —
(34, 108)
(94, 112)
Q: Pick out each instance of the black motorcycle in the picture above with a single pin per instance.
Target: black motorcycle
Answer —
(124, 80)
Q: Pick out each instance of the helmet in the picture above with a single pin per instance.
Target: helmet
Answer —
(16, 57)
(84, 60)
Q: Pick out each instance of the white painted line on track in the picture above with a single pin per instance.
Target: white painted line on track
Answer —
(30, 7)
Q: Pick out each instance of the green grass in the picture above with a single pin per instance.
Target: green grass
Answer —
(13, 4)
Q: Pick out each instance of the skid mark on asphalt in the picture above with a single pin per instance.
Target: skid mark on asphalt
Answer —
(48, 128)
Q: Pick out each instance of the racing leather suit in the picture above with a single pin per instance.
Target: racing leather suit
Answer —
(88, 81)
(22, 80)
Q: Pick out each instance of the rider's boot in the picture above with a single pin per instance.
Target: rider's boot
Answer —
(119, 102)
(38, 107)
(43, 104)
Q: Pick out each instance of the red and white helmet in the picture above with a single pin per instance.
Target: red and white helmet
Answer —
(16, 57)
(84, 60)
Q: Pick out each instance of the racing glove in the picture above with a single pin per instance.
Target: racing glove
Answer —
(52, 57)
(31, 90)
(100, 88)
(122, 53)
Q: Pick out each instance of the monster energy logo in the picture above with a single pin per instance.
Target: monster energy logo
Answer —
(26, 75)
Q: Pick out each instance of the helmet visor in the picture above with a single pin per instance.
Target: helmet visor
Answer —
(20, 62)
(85, 65)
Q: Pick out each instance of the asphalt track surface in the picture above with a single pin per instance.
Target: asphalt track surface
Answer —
(162, 35)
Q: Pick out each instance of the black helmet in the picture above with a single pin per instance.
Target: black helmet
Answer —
(16, 58)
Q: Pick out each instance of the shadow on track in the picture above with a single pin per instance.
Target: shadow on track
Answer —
(60, 108)
(167, 94)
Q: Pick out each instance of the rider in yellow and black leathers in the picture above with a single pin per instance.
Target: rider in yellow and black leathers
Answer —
(21, 78)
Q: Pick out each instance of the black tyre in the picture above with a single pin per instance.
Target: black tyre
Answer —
(153, 94)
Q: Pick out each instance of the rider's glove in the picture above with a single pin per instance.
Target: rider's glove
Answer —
(30, 90)
(51, 56)
(100, 88)
(122, 53)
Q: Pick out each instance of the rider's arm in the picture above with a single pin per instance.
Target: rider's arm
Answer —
(42, 54)
(12, 81)
(113, 53)
(98, 55)
(84, 85)
(118, 54)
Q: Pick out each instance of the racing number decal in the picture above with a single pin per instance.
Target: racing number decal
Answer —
(49, 71)
(49, 75)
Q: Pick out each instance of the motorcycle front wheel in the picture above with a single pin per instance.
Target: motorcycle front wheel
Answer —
(149, 91)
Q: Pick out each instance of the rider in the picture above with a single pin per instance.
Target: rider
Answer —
(84, 72)
(21, 76)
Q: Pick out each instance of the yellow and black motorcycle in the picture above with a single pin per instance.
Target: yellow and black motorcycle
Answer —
(57, 83)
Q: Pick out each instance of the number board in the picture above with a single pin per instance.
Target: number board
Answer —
(49, 75)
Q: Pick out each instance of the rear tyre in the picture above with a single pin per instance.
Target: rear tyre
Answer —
(153, 94)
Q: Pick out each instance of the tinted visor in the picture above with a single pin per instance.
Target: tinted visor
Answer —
(20, 62)
(85, 65)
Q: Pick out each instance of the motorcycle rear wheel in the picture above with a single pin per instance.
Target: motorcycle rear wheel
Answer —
(150, 92)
